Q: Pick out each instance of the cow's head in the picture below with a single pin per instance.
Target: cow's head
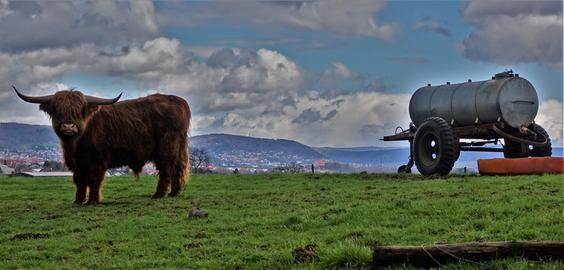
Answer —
(69, 110)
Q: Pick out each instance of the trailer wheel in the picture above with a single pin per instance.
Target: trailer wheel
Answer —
(457, 147)
(435, 147)
(515, 150)
(520, 150)
(545, 150)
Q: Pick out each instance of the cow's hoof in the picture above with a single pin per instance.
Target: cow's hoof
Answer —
(174, 193)
(158, 195)
(92, 202)
(78, 204)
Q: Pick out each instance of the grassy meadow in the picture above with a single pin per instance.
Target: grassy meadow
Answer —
(256, 221)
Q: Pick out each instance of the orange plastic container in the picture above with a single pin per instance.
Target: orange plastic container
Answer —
(532, 165)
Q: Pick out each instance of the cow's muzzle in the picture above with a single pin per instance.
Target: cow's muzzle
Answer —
(69, 129)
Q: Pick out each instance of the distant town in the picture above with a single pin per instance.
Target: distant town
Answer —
(38, 159)
(49, 159)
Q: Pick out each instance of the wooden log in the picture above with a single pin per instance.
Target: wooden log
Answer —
(438, 255)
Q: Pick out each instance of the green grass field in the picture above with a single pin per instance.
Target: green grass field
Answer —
(255, 221)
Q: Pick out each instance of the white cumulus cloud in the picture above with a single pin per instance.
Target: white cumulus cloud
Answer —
(550, 117)
(360, 118)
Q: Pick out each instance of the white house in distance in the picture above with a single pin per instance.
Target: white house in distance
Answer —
(5, 170)
(45, 174)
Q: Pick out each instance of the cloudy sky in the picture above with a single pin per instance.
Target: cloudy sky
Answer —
(325, 73)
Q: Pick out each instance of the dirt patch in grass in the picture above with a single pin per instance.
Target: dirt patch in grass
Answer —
(28, 236)
(53, 216)
(306, 253)
(407, 176)
(197, 213)
(192, 245)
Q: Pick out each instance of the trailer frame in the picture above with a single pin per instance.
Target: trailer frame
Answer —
(486, 134)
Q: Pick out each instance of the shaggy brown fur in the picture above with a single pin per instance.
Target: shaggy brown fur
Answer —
(131, 133)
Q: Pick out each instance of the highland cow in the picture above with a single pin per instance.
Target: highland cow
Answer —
(97, 134)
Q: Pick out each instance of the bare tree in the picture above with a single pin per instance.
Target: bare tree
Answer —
(199, 159)
(293, 167)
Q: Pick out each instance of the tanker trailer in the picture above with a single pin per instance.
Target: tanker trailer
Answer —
(450, 118)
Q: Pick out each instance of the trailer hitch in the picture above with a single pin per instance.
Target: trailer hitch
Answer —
(407, 168)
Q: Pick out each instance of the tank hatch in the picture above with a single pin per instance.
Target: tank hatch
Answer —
(505, 74)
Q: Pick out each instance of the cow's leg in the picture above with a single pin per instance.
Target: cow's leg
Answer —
(180, 167)
(96, 180)
(165, 161)
(164, 182)
(81, 188)
(175, 185)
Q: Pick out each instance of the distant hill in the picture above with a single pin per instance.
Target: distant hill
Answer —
(234, 150)
(15, 136)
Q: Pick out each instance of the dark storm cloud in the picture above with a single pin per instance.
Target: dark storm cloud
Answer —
(308, 116)
(477, 10)
(277, 108)
(28, 26)
(229, 58)
(343, 18)
(512, 32)
(311, 116)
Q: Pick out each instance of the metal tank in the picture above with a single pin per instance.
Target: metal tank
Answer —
(505, 98)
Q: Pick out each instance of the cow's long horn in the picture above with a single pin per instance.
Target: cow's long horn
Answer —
(102, 101)
(42, 99)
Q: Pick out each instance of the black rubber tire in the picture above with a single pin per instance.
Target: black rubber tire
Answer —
(513, 149)
(520, 150)
(542, 151)
(457, 146)
(435, 147)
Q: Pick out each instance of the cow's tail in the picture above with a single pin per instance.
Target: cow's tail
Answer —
(184, 157)
(185, 149)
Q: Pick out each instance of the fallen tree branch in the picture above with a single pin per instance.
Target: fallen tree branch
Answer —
(438, 255)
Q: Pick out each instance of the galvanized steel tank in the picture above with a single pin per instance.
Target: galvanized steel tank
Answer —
(505, 97)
